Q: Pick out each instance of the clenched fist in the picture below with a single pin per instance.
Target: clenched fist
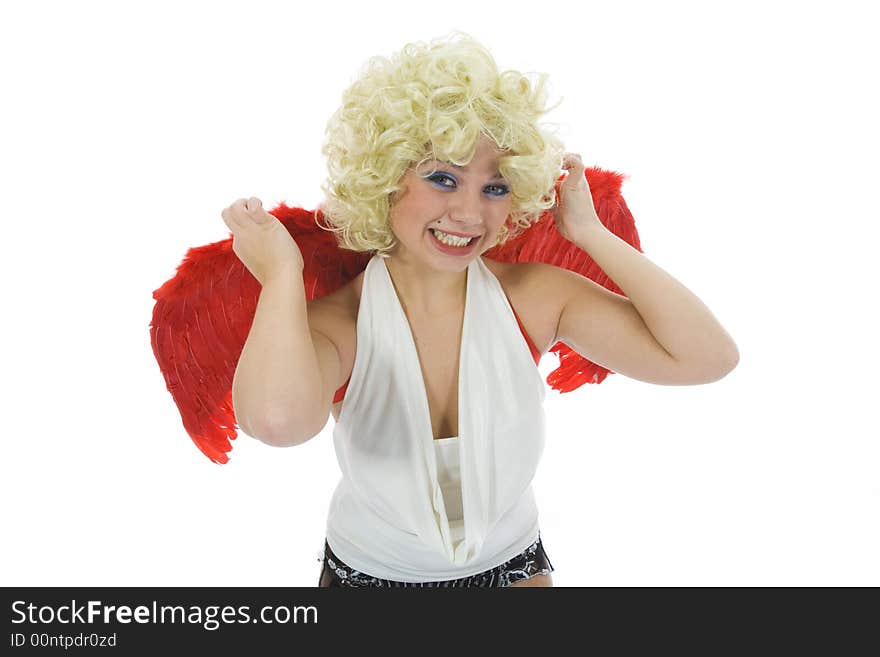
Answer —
(260, 240)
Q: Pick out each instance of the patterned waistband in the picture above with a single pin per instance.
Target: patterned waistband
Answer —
(530, 562)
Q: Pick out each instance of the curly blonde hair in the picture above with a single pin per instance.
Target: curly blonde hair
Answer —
(433, 100)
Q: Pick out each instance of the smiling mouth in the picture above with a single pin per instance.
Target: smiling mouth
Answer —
(462, 245)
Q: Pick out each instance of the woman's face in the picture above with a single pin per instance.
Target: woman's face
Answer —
(474, 201)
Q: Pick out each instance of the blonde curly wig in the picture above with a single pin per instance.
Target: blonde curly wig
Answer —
(433, 100)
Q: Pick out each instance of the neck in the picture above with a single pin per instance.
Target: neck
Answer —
(425, 291)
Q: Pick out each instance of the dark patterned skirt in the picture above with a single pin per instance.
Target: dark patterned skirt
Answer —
(528, 563)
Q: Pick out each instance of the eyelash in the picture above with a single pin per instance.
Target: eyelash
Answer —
(437, 176)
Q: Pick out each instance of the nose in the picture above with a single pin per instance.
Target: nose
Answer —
(464, 210)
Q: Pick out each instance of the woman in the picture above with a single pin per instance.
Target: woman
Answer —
(428, 358)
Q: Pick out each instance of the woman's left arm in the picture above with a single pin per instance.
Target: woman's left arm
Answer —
(675, 316)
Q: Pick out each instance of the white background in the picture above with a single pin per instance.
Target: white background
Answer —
(750, 139)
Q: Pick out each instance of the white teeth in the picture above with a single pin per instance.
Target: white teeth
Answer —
(451, 240)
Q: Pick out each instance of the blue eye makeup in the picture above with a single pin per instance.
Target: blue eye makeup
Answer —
(436, 177)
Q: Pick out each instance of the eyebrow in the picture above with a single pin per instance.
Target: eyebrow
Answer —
(497, 175)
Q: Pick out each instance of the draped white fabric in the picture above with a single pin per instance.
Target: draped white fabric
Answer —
(387, 517)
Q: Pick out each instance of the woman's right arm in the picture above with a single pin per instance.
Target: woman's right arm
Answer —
(278, 392)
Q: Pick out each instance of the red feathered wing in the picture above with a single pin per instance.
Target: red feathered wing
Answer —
(203, 314)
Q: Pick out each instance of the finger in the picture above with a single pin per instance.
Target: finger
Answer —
(576, 170)
(256, 213)
(241, 212)
(573, 161)
(265, 217)
(229, 219)
(239, 208)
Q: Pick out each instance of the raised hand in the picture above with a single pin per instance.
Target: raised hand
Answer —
(260, 240)
(574, 211)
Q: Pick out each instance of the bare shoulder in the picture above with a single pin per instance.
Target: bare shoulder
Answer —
(534, 293)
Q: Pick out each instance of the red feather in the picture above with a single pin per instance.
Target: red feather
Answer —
(203, 314)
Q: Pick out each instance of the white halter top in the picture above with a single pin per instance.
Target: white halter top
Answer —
(395, 513)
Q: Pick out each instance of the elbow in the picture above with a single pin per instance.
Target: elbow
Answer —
(707, 371)
(277, 439)
(731, 361)
(282, 432)
(726, 366)
(723, 362)
(275, 429)
(273, 438)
